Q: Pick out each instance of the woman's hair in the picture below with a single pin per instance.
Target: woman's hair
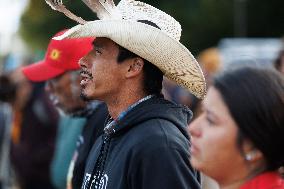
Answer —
(255, 99)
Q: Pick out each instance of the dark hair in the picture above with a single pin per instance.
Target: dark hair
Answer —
(153, 76)
(255, 99)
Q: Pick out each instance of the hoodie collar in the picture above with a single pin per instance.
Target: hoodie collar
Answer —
(109, 129)
(154, 107)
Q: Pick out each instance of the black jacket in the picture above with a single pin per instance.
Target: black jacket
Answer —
(149, 150)
(91, 131)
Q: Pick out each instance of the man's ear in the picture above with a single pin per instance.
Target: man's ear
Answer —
(135, 67)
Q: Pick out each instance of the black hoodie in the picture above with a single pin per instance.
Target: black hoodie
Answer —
(149, 150)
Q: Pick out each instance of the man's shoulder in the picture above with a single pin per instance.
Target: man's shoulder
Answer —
(158, 127)
(157, 133)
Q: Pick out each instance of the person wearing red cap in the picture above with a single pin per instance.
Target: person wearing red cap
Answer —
(60, 69)
(61, 59)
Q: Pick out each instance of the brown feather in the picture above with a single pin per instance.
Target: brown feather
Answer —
(105, 9)
(58, 5)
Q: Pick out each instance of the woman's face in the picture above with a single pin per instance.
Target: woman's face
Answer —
(214, 149)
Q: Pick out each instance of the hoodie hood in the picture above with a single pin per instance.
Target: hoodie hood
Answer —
(153, 108)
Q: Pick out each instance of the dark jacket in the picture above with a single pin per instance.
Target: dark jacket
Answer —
(91, 131)
(149, 150)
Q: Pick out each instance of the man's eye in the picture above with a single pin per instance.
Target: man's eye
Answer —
(98, 51)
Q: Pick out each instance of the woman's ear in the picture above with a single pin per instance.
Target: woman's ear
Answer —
(251, 153)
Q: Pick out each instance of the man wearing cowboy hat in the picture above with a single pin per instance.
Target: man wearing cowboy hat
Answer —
(144, 144)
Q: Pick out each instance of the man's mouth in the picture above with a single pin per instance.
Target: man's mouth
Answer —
(85, 77)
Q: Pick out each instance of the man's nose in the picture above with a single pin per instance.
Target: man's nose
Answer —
(82, 61)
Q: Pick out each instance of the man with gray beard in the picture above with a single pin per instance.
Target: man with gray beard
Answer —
(82, 122)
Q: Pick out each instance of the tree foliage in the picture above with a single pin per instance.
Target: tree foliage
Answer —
(204, 22)
(39, 22)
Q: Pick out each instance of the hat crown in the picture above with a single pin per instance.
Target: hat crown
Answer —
(136, 10)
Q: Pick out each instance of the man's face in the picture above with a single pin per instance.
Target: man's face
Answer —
(65, 94)
(101, 74)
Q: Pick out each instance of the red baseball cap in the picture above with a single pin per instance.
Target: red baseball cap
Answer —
(61, 56)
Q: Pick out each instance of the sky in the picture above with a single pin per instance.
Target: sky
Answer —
(10, 12)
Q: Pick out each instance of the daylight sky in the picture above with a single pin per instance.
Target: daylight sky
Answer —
(10, 12)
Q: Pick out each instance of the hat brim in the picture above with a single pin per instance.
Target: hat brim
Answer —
(41, 71)
(150, 43)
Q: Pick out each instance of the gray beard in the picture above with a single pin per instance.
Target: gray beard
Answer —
(84, 97)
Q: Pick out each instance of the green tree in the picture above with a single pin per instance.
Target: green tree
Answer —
(204, 22)
(39, 22)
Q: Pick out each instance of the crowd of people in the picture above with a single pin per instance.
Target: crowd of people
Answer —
(120, 103)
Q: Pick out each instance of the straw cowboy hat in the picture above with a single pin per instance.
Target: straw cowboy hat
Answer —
(125, 25)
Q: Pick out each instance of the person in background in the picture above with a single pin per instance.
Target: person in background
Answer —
(179, 95)
(210, 62)
(238, 138)
(82, 122)
(7, 90)
(145, 144)
(33, 130)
